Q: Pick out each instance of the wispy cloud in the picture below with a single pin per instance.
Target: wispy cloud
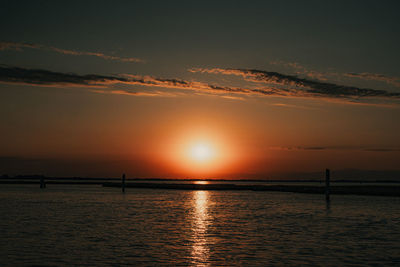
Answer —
(295, 86)
(21, 46)
(57, 79)
(330, 148)
(382, 149)
(297, 148)
(233, 97)
(51, 78)
(17, 46)
(323, 76)
(300, 69)
(134, 93)
(375, 77)
(285, 105)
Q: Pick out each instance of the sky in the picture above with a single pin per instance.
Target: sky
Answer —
(199, 89)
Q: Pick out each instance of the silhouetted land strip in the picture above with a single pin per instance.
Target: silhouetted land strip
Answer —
(98, 180)
(362, 187)
(52, 182)
(339, 190)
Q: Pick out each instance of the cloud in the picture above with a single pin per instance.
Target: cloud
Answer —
(233, 97)
(338, 148)
(296, 87)
(300, 69)
(375, 77)
(17, 46)
(285, 105)
(132, 93)
(57, 79)
(382, 149)
(298, 148)
(45, 77)
(322, 76)
(21, 46)
(291, 85)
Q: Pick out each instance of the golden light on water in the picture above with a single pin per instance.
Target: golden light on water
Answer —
(200, 219)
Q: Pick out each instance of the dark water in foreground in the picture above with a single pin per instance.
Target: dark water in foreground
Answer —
(90, 225)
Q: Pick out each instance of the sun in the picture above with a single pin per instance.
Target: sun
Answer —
(201, 152)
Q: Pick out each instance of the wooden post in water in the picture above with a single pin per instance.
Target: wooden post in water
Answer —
(42, 182)
(123, 183)
(327, 185)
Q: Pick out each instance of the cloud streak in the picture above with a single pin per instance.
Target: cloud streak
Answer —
(330, 148)
(322, 76)
(58, 79)
(375, 77)
(300, 69)
(133, 93)
(295, 86)
(22, 46)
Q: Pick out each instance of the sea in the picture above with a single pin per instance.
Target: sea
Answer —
(91, 225)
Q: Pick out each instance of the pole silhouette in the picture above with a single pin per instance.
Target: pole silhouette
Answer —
(123, 183)
(327, 185)
(42, 183)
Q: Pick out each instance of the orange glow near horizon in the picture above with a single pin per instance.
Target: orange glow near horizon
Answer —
(201, 182)
(200, 153)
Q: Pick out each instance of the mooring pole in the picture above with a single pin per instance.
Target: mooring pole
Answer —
(42, 183)
(123, 183)
(327, 185)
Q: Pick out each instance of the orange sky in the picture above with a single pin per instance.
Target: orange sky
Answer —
(271, 90)
(250, 138)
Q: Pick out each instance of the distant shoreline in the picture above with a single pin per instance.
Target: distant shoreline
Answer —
(365, 190)
(92, 179)
(335, 190)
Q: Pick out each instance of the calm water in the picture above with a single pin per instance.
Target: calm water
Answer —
(91, 225)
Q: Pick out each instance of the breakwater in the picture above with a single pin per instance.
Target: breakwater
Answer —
(370, 190)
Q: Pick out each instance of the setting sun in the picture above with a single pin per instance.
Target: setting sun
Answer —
(201, 152)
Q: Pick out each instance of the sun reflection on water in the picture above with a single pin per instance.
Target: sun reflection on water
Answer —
(200, 249)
